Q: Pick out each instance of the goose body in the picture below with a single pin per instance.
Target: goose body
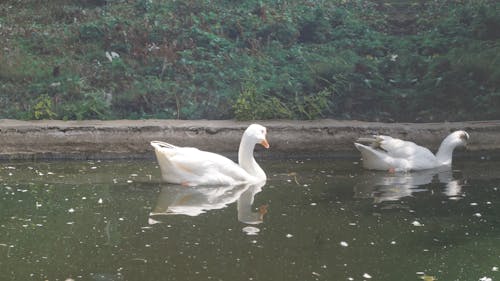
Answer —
(388, 153)
(191, 167)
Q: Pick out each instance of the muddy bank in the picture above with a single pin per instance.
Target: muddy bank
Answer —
(130, 138)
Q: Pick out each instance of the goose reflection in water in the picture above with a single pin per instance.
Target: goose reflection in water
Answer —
(193, 201)
(392, 187)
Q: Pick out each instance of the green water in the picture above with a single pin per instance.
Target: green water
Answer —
(326, 220)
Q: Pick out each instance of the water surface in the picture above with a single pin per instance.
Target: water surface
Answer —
(313, 220)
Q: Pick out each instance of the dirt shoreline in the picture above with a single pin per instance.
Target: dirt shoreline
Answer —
(51, 139)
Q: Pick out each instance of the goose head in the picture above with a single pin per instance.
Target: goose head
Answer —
(453, 140)
(256, 134)
(459, 138)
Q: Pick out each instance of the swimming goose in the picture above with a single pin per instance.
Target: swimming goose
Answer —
(395, 155)
(191, 167)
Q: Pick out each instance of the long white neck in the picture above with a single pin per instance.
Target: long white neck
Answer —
(247, 161)
(445, 151)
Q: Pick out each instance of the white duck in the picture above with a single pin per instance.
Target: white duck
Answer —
(191, 167)
(387, 153)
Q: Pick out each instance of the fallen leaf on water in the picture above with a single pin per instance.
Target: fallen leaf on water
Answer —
(294, 175)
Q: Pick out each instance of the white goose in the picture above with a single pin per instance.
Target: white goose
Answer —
(191, 167)
(395, 155)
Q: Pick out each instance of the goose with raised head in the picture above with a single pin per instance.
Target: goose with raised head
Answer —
(396, 155)
(191, 167)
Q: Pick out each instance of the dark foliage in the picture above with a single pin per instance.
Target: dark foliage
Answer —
(372, 60)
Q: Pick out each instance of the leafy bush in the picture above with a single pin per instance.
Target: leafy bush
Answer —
(43, 108)
(397, 61)
(254, 105)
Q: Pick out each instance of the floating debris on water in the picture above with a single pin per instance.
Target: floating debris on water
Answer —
(416, 223)
(428, 277)
(153, 221)
(251, 230)
(124, 221)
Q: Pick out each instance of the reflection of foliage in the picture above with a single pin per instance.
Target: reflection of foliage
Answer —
(52, 211)
(401, 60)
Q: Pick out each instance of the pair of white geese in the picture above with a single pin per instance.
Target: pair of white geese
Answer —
(192, 167)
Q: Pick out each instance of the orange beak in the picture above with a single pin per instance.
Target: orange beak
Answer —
(264, 143)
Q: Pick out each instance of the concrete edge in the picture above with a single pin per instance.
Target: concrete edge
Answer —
(129, 139)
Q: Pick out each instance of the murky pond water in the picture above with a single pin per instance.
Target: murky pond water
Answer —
(313, 220)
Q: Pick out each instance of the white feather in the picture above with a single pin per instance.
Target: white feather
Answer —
(191, 166)
(385, 153)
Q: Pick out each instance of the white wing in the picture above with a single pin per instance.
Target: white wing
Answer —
(386, 152)
(402, 149)
(376, 159)
(191, 166)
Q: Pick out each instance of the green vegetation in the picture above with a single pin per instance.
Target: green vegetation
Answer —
(219, 59)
